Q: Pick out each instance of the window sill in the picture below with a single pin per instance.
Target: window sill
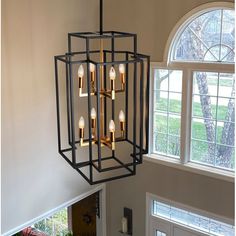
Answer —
(191, 167)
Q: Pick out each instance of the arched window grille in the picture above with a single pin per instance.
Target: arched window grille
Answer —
(193, 99)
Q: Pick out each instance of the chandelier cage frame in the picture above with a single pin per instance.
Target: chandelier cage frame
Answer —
(91, 167)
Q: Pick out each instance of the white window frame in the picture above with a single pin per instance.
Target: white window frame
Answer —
(187, 85)
(152, 221)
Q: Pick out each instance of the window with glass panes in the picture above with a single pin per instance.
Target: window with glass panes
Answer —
(194, 106)
(167, 112)
(191, 219)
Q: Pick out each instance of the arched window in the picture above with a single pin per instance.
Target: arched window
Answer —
(193, 91)
(208, 37)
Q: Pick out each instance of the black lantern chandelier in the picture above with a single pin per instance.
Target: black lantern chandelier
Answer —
(102, 97)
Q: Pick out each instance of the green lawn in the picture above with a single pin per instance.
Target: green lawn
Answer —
(200, 149)
(222, 82)
(175, 107)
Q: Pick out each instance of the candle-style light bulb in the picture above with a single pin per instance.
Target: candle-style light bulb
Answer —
(112, 126)
(122, 68)
(81, 129)
(92, 75)
(112, 134)
(80, 75)
(121, 116)
(122, 122)
(112, 73)
(81, 122)
(81, 71)
(93, 113)
(93, 117)
(91, 67)
(122, 75)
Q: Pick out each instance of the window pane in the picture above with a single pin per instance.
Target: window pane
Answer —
(160, 123)
(199, 129)
(160, 100)
(174, 124)
(174, 146)
(192, 220)
(228, 37)
(53, 225)
(161, 78)
(160, 141)
(208, 79)
(175, 102)
(159, 233)
(222, 111)
(213, 117)
(226, 84)
(203, 152)
(208, 37)
(175, 81)
(167, 115)
(204, 106)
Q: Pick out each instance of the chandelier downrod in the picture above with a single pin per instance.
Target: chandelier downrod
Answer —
(101, 16)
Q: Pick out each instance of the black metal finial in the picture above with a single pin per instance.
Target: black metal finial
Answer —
(101, 16)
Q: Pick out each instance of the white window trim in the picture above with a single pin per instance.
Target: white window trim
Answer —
(149, 218)
(183, 163)
(190, 167)
(188, 68)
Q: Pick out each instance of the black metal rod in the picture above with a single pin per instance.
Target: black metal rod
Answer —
(112, 178)
(101, 17)
(107, 169)
(113, 101)
(106, 34)
(141, 112)
(132, 143)
(89, 110)
(147, 105)
(71, 92)
(111, 63)
(69, 43)
(124, 165)
(67, 159)
(82, 164)
(68, 105)
(58, 105)
(98, 116)
(126, 97)
(105, 98)
(85, 177)
(134, 102)
(135, 45)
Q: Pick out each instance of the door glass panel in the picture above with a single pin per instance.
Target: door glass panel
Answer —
(159, 233)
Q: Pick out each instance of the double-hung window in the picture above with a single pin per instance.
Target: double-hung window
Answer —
(193, 92)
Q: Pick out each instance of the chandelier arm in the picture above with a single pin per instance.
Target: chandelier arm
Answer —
(101, 16)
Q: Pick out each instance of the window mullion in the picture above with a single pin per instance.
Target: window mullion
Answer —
(151, 111)
(186, 115)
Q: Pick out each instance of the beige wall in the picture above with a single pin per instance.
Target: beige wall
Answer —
(201, 192)
(35, 178)
(153, 21)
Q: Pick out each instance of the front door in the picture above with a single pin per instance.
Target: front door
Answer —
(83, 216)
